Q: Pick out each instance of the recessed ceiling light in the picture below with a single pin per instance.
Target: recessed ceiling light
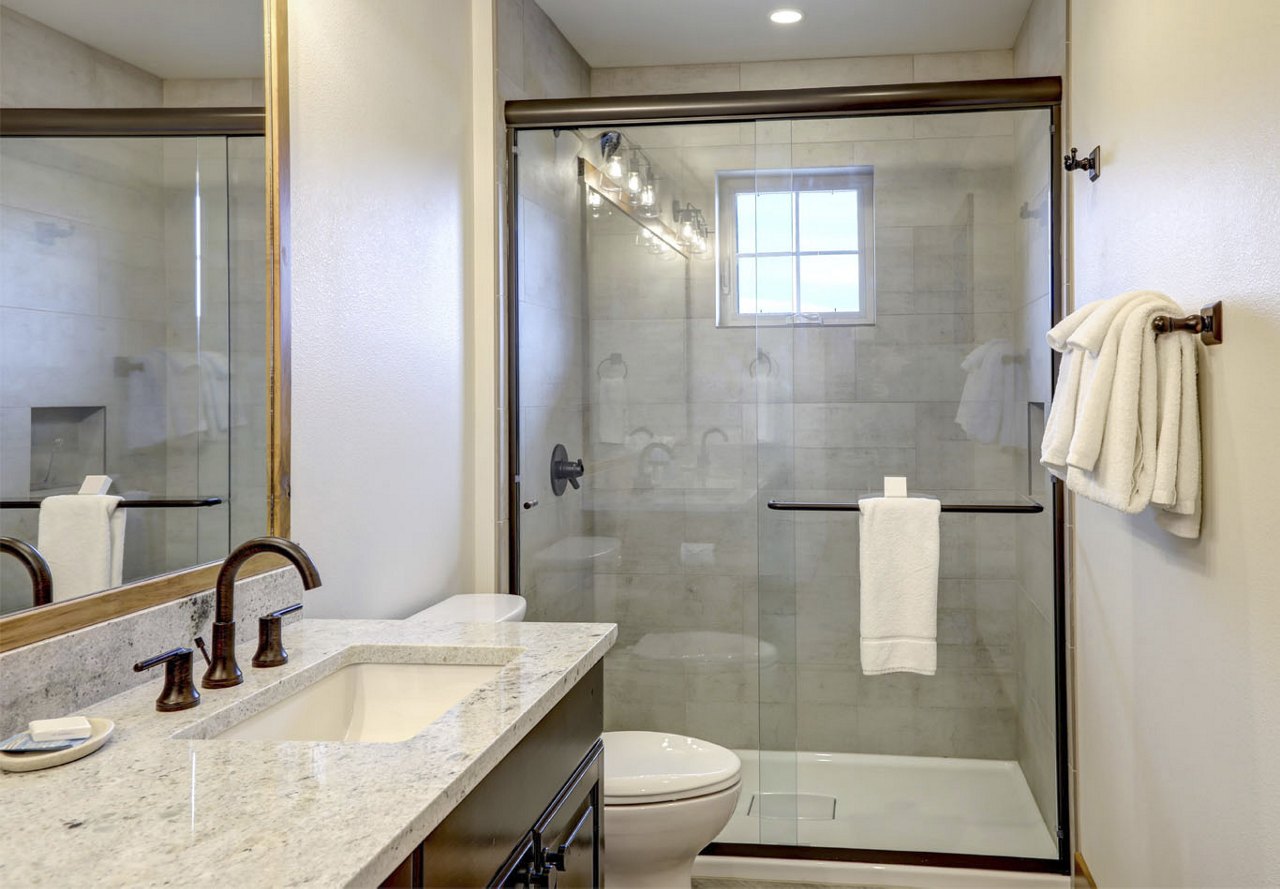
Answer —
(785, 16)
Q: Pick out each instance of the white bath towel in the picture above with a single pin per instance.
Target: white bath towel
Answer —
(990, 411)
(1182, 518)
(611, 410)
(81, 536)
(899, 549)
(1121, 350)
(1124, 427)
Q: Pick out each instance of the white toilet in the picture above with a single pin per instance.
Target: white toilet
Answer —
(665, 797)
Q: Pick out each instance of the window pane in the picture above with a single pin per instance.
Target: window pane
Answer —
(829, 220)
(764, 285)
(773, 222)
(745, 222)
(829, 283)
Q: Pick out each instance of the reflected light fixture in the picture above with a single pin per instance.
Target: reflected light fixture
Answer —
(594, 200)
(634, 181)
(785, 16)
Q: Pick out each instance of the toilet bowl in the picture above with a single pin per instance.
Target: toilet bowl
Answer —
(485, 608)
(666, 796)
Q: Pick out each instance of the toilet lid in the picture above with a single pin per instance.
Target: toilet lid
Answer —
(654, 767)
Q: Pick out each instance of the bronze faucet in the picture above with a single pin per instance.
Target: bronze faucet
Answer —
(37, 567)
(223, 671)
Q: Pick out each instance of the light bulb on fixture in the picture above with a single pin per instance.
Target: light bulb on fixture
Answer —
(594, 201)
(635, 183)
(785, 16)
(613, 168)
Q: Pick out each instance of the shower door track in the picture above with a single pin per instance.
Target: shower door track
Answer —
(1008, 94)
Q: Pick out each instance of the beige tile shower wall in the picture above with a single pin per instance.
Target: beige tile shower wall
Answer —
(1040, 50)
(536, 61)
(82, 266)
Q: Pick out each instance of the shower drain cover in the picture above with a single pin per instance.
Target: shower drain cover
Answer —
(792, 806)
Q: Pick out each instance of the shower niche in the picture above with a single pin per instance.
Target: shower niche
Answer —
(67, 443)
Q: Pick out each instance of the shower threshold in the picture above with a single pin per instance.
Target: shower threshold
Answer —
(899, 803)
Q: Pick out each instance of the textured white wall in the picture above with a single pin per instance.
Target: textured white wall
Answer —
(381, 153)
(1178, 644)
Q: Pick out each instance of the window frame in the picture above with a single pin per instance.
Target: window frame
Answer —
(730, 183)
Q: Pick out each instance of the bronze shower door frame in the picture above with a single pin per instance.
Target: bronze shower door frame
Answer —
(1010, 94)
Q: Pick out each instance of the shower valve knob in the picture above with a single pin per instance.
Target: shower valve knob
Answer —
(564, 471)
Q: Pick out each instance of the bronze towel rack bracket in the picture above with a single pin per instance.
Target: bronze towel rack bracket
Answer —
(1207, 323)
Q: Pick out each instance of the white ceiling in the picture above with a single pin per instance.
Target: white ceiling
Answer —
(168, 38)
(623, 33)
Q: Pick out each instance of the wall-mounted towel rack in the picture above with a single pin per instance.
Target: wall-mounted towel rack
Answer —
(1025, 507)
(194, 503)
(1207, 323)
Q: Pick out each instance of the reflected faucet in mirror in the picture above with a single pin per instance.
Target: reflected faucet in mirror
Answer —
(37, 567)
(648, 464)
(223, 671)
(704, 452)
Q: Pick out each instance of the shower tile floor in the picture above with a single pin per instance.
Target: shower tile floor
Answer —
(901, 803)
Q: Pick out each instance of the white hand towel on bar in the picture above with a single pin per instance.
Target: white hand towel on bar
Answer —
(898, 547)
(611, 410)
(81, 536)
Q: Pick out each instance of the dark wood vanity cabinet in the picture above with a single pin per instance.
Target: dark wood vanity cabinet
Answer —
(537, 819)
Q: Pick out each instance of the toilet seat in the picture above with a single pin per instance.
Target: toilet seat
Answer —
(656, 767)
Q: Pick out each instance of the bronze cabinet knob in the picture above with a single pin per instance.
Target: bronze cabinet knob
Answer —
(179, 692)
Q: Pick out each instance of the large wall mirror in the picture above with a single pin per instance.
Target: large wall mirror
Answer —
(143, 207)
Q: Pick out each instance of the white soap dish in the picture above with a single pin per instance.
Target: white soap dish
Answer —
(30, 762)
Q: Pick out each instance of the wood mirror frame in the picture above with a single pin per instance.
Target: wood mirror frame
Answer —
(25, 627)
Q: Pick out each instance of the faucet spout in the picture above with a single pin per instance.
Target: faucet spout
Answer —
(223, 671)
(37, 567)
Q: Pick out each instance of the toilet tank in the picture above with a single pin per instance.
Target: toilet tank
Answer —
(485, 608)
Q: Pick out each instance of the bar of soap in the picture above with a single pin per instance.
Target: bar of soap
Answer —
(68, 728)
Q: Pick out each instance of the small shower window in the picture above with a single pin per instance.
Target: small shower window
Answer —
(795, 247)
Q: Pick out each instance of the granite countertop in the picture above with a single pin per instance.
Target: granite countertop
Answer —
(152, 809)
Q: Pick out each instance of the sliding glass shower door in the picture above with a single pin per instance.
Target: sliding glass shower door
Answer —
(740, 329)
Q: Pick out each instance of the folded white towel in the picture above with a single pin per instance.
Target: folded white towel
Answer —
(898, 545)
(611, 410)
(990, 410)
(1183, 517)
(81, 536)
(1123, 428)
(1122, 352)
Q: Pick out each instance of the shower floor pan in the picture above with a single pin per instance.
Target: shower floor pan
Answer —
(902, 803)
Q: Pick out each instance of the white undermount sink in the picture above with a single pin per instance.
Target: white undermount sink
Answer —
(365, 702)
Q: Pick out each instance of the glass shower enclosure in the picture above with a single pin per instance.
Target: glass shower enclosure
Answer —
(740, 324)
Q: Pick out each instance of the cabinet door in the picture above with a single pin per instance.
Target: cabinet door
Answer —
(569, 835)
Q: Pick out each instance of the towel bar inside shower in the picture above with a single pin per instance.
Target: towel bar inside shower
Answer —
(1023, 508)
(193, 503)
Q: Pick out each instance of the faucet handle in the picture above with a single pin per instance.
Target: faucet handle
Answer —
(179, 692)
(271, 651)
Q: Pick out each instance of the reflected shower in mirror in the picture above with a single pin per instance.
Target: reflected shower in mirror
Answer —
(133, 289)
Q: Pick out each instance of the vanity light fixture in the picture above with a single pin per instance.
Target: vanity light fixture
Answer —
(594, 201)
(785, 16)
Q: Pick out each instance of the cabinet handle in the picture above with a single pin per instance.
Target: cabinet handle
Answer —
(557, 858)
